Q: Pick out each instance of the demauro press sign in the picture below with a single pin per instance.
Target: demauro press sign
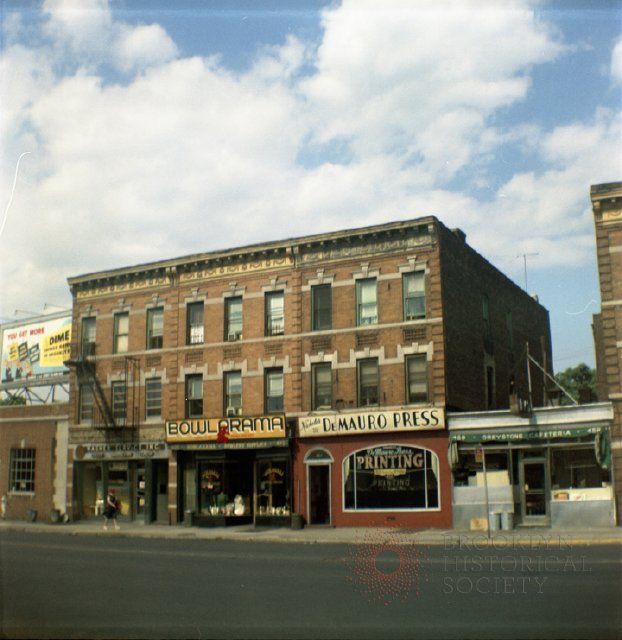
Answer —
(345, 424)
(225, 429)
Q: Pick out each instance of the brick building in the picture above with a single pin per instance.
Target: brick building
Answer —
(309, 375)
(607, 208)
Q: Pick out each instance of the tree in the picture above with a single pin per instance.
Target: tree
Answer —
(579, 382)
(12, 400)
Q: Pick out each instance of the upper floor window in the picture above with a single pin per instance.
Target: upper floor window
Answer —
(275, 319)
(321, 386)
(153, 398)
(233, 318)
(194, 395)
(413, 285)
(274, 390)
(121, 332)
(22, 470)
(194, 323)
(416, 379)
(87, 342)
(486, 316)
(119, 402)
(368, 382)
(233, 393)
(85, 403)
(155, 328)
(366, 302)
(321, 307)
(509, 325)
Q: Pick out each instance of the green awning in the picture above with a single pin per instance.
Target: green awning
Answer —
(481, 436)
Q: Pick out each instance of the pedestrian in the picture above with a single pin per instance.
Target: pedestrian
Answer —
(111, 510)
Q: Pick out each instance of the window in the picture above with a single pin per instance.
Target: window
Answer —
(153, 398)
(155, 328)
(87, 344)
(322, 386)
(274, 390)
(416, 379)
(233, 393)
(490, 387)
(413, 286)
(368, 382)
(121, 332)
(194, 396)
(321, 307)
(119, 402)
(486, 316)
(366, 302)
(22, 470)
(509, 325)
(194, 323)
(85, 406)
(275, 320)
(389, 477)
(233, 318)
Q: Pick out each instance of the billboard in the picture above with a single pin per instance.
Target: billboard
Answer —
(36, 348)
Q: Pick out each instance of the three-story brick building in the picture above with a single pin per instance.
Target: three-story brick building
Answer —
(308, 375)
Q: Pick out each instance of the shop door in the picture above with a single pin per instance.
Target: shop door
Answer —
(534, 491)
(319, 493)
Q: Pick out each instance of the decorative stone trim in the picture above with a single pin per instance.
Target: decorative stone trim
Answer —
(192, 370)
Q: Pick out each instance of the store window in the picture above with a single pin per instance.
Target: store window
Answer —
(233, 319)
(22, 470)
(274, 390)
(321, 307)
(273, 496)
(194, 396)
(368, 382)
(413, 287)
(194, 323)
(275, 315)
(225, 487)
(85, 404)
(366, 302)
(321, 386)
(88, 336)
(155, 328)
(119, 402)
(576, 469)
(233, 393)
(390, 477)
(417, 379)
(121, 332)
(153, 398)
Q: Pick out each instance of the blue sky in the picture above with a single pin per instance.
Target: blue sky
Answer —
(156, 129)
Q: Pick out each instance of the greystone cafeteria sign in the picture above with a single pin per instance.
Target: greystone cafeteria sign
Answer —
(346, 424)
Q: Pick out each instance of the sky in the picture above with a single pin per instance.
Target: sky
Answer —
(136, 130)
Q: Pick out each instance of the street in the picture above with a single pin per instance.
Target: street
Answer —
(117, 587)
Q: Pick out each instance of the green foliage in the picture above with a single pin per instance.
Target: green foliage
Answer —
(4, 402)
(579, 381)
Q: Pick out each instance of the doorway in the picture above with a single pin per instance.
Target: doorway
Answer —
(534, 489)
(319, 493)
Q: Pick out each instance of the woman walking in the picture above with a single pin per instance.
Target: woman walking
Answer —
(111, 510)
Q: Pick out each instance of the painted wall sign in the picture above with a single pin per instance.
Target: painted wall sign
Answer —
(237, 268)
(223, 430)
(123, 287)
(100, 451)
(36, 349)
(235, 444)
(345, 424)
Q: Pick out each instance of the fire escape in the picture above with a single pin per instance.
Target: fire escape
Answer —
(118, 417)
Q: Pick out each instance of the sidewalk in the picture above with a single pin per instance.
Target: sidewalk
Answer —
(448, 538)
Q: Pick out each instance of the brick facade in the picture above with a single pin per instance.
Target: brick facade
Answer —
(607, 208)
(450, 335)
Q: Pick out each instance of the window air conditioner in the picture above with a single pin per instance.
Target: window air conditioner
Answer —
(233, 411)
(234, 336)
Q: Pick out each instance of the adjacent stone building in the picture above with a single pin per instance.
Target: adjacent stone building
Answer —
(607, 208)
(309, 375)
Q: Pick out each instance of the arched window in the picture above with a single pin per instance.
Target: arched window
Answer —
(391, 477)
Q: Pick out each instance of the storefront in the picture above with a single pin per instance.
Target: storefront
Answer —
(550, 468)
(374, 468)
(233, 471)
(137, 471)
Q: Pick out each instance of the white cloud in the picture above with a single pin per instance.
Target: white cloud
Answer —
(616, 62)
(143, 46)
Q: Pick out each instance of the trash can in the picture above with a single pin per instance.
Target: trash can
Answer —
(55, 516)
(188, 517)
(507, 521)
(31, 515)
(494, 521)
(296, 521)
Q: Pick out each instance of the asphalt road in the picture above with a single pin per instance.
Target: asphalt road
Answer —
(114, 587)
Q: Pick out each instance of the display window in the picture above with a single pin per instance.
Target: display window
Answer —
(119, 480)
(225, 487)
(576, 469)
(391, 477)
(273, 495)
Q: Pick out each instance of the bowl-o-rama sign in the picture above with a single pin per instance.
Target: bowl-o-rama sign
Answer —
(225, 429)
